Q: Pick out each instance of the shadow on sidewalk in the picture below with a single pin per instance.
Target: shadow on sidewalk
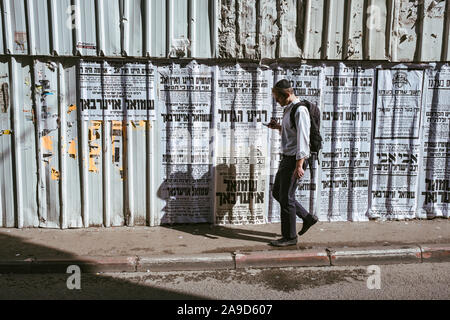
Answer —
(216, 232)
(54, 286)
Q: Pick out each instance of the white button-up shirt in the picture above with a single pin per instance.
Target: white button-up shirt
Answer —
(296, 142)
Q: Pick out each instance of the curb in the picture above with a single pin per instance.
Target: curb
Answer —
(375, 255)
(435, 253)
(285, 258)
(234, 261)
(215, 261)
(60, 265)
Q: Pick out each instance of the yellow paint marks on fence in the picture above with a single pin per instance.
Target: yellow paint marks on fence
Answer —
(94, 154)
(116, 136)
(47, 143)
(94, 148)
(55, 174)
(72, 107)
(73, 149)
(141, 125)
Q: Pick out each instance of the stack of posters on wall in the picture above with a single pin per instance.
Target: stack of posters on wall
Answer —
(185, 112)
(243, 105)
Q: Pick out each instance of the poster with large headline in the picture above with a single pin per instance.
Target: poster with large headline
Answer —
(184, 118)
(397, 144)
(242, 161)
(434, 195)
(306, 81)
(117, 91)
(346, 130)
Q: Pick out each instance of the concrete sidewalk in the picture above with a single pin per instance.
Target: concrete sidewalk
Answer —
(194, 247)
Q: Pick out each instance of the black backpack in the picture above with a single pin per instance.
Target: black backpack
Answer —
(315, 139)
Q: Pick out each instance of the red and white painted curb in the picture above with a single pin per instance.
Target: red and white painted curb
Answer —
(238, 260)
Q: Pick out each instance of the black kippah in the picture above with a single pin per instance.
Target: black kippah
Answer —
(283, 84)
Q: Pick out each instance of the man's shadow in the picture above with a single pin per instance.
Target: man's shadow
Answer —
(179, 201)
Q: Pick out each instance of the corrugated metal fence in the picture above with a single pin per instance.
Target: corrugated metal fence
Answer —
(59, 171)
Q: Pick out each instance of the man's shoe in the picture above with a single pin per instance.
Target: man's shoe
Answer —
(308, 222)
(284, 242)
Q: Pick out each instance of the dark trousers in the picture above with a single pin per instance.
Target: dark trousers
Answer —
(284, 192)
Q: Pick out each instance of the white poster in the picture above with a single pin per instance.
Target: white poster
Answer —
(306, 81)
(116, 91)
(397, 144)
(185, 111)
(346, 130)
(243, 105)
(435, 178)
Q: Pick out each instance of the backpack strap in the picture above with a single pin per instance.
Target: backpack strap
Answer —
(292, 115)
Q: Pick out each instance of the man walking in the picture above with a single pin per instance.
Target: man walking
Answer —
(296, 150)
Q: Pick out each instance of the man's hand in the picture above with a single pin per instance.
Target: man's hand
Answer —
(274, 125)
(299, 172)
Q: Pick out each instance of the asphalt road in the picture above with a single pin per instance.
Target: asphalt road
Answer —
(412, 281)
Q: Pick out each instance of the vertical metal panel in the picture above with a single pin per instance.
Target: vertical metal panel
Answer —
(137, 172)
(158, 28)
(62, 25)
(314, 45)
(94, 171)
(92, 144)
(269, 30)
(247, 36)
(178, 35)
(70, 158)
(227, 31)
(24, 116)
(14, 18)
(116, 174)
(290, 43)
(38, 27)
(86, 31)
(238, 35)
(446, 34)
(7, 166)
(202, 22)
(377, 30)
(406, 21)
(48, 150)
(134, 31)
(2, 30)
(109, 31)
(433, 30)
(353, 36)
(335, 36)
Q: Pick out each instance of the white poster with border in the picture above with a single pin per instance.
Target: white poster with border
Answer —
(397, 144)
(346, 130)
(117, 91)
